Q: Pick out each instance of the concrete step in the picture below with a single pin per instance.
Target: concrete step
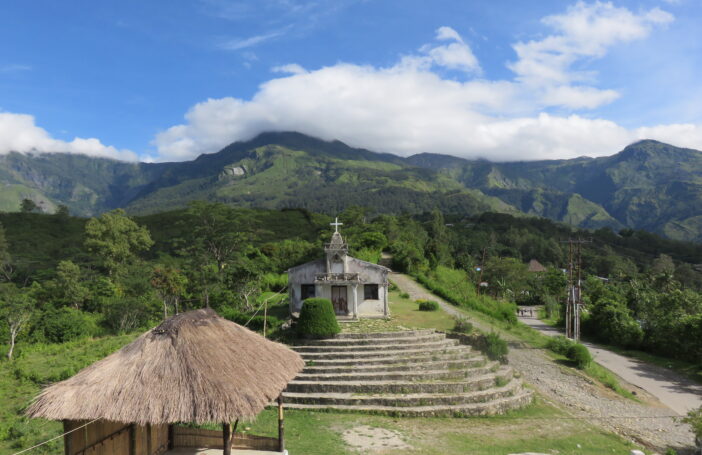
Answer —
(499, 406)
(403, 401)
(422, 364)
(457, 353)
(424, 338)
(398, 334)
(386, 353)
(412, 375)
(501, 377)
(438, 344)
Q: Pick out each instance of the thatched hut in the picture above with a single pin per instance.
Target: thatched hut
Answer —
(195, 367)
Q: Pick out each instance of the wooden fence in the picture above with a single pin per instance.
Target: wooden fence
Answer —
(103, 437)
(212, 439)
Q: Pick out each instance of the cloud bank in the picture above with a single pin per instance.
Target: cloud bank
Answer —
(19, 133)
(434, 100)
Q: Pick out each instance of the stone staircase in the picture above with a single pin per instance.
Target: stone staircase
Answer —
(407, 373)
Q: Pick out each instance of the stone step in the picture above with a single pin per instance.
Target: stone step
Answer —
(399, 333)
(416, 375)
(499, 406)
(422, 364)
(457, 353)
(425, 338)
(403, 401)
(500, 377)
(430, 350)
(440, 344)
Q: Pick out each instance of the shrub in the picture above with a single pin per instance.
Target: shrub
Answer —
(579, 354)
(495, 347)
(428, 305)
(404, 295)
(611, 322)
(694, 419)
(66, 324)
(317, 319)
(254, 323)
(560, 345)
(462, 325)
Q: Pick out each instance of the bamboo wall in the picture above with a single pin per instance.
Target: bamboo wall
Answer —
(107, 438)
(213, 439)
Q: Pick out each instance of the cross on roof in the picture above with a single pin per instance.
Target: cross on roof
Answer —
(336, 224)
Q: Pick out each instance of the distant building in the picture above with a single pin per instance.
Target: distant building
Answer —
(535, 266)
(357, 289)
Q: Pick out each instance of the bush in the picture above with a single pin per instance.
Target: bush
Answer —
(404, 295)
(462, 325)
(254, 323)
(66, 324)
(579, 354)
(560, 345)
(694, 419)
(428, 305)
(317, 319)
(611, 322)
(495, 347)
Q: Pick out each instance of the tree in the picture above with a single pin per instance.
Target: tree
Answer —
(216, 232)
(62, 211)
(5, 258)
(69, 283)
(28, 206)
(16, 309)
(170, 285)
(438, 251)
(116, 239)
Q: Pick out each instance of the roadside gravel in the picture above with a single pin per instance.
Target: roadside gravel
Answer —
(653, 426)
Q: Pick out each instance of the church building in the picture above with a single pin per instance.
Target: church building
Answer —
(357, 289)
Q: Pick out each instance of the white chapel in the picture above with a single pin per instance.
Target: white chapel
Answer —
(357, 289)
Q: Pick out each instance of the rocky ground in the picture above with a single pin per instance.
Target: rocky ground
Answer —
(649, 424)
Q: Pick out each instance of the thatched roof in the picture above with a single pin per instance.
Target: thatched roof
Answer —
(535, 266)
(194, 367)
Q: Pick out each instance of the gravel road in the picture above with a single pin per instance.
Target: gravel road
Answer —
(651, 425)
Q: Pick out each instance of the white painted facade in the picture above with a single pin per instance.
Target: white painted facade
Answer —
(357, 289)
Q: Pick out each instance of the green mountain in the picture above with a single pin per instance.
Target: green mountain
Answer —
(274, 170)
(649, 185)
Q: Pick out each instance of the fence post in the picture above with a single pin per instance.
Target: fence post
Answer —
(281, 425)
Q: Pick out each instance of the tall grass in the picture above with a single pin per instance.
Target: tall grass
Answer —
(455, 287)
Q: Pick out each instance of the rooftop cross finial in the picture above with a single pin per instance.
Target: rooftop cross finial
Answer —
(336, 224)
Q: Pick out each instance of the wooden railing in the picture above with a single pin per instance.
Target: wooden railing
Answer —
(212, 439)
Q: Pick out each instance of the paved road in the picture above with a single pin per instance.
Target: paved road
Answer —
(673, 390)
(653, 426)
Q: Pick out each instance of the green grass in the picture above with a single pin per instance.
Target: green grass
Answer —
(537, 428)
(22, 379)
(405, 312)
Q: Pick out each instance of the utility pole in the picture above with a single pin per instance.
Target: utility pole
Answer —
(574, 303)
(482, 266)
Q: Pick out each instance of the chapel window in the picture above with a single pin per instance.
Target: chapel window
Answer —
(370, 292)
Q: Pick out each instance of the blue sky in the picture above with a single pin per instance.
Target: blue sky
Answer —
(168, 80)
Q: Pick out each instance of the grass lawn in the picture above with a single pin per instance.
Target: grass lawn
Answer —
(539, 428)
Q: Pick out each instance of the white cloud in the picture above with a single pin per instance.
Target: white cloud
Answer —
(243, 43)
(19, 133)
(411, 108)
(291, 68)
(14, 68)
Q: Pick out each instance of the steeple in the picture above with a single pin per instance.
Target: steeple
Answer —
(336, 250)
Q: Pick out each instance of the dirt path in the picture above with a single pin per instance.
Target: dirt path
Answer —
(673, 390)
(652, 426)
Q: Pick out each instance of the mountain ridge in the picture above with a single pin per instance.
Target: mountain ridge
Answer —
(648, 185)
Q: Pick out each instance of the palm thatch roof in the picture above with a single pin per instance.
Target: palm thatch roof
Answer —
(535, 266)
(194, 367)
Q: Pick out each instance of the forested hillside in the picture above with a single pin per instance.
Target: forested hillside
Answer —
(66, 279)
(649, 185)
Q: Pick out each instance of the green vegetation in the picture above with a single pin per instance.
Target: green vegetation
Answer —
(579, 355)
(428, 305)
(317, 319)
(694, 419)
(405, 313)
(495, 347)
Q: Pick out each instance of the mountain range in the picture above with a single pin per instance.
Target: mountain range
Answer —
(649, 185)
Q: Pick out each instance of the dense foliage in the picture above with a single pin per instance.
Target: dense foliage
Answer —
(428, 305)
(317, 319)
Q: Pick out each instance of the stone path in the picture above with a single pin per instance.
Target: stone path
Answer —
(566, 388)
(673, 390)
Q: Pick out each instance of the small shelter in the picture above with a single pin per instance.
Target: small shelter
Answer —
(535, 266)
(195, 367)
(356, 288)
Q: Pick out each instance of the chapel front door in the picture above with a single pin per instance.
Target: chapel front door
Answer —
(339, 299)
